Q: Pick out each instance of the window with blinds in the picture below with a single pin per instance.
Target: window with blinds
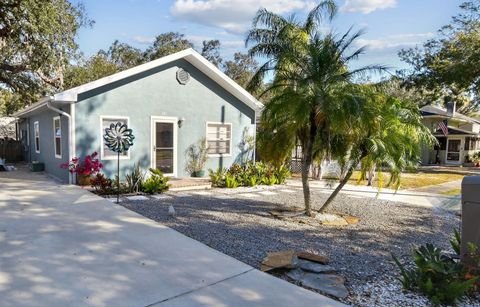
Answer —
(36, 132)
(57, 136)
(219, 138)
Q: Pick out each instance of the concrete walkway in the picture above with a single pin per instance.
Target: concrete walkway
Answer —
(63, 246)
(412, 197)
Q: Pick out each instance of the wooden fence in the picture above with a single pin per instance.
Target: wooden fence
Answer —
(11, 150)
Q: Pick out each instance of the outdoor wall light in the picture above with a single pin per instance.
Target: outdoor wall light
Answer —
(180, 122)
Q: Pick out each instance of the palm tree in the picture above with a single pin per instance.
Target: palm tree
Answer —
(310, 73)
(383, 132)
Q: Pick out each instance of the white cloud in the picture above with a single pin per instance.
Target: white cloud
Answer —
(395, 41)
(144, 40)
(366, 6)
(234, 16)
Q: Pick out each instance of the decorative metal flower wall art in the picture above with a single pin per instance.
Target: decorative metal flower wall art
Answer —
(118, 137)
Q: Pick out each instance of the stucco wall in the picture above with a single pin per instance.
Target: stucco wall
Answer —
(47, 151)
(158, 93)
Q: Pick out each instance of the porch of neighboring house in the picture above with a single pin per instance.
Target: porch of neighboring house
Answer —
(455, 149)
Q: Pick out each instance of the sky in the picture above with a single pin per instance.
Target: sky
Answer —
(390, 25)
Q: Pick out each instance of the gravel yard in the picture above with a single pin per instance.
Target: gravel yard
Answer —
(237, 223)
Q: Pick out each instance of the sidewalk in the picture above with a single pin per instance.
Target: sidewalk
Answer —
(63, 246)
(413, 197)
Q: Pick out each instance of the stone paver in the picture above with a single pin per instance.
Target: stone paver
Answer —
(63, 246)
(136, 197)
(248, 195)
(267, 193)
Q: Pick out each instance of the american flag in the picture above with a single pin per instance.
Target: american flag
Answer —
(443, 125)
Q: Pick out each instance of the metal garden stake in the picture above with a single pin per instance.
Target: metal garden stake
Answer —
(118, 138)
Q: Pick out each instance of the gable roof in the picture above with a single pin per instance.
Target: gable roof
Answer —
(189, 55)
(428, 111)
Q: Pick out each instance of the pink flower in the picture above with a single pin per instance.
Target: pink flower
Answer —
(89, 166)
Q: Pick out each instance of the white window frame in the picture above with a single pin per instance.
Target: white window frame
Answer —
(36, 134)
(231, 137)
(59, 156)
(102, 132)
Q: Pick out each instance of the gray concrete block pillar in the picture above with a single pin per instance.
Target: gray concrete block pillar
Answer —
(470, 212)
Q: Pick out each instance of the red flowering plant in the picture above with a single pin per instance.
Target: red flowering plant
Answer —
(90, 165)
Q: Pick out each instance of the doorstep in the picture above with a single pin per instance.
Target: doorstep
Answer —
(189, 184)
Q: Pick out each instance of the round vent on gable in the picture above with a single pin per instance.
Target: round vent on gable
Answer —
(183, 76)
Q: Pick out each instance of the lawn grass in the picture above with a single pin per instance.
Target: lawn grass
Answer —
(452, 192)
(413, 180)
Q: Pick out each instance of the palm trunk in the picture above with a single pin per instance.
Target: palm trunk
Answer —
(307, 163)
(371, 175)
(337, 189)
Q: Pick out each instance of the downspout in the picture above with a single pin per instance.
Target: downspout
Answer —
(70, 129)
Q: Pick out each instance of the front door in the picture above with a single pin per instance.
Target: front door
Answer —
(164, 145)
(453, 150)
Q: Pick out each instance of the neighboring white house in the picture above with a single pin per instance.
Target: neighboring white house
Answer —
(461, 141)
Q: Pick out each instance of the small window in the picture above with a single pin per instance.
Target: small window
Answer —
(57, 136)
(36, 132)
(106, 153)
(219, 138)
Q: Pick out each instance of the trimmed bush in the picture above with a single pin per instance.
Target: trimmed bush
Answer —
(156, 183)
(249, 175)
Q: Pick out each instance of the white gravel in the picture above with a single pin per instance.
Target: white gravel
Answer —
(242, 228)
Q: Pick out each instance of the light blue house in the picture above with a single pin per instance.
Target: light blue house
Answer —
(170, 103)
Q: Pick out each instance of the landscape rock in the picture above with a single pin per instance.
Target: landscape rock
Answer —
(276, 260)
(313, 257)
(314, 267)
(330, 284)
(338, 222)
(351, 219)
(327, 217)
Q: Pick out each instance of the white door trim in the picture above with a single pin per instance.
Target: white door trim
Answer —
(459, 153)
(164, 119)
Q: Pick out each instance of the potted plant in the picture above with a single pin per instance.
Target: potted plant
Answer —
(476, 158)
(84, 170)
(197, 155)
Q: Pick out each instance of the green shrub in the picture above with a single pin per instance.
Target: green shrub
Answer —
(252, 181)
(442, 279)
(101, 184)
(231, 181)
(269, 179)
(134, 180)
(282, 173)
(217, 177)
(236, 170)
(116, 186)
(455, 243)
(249, 175)
(156, 183)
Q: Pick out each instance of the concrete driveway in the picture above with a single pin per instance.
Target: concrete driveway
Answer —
(63, 246)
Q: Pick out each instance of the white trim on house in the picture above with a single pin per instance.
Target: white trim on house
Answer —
(102, 153)
(58, 156)
(72, 145)
(231, 137)
(189, 55)
(36, 126)
(164, 119)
